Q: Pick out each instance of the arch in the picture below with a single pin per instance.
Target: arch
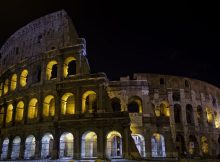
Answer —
(19, 111)
(9, 113)
(193, 145)
(23, 78)
(66, 145)
(30, 145)
(216, 119)
(177, 113)
(180, 145)
(116, 104)
(135, 104)
(89, 145)
(49, 106)
(69, 67)
(158, 148)
(140, 144)
(16, 148)
(2, 114)
(209, 115)
(6, 86)
(176, 96)
(89, 102)
(165, 109)
(187, 84)
(68, 104)
(47, 146)
(33, 108)
(200, 115)
(204, 145)
(5, 149)
(189, 114)
(51, 71)
(14, 82)
(114, 144)
(1, 89)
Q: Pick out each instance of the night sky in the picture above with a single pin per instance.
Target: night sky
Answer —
(163, 37)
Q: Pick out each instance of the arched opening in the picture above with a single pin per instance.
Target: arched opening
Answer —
(16, 148)
(30, 144)
(46, 146)
(187, 85)
(19, 111)
(69, 67)
(13, 82)
(193, 145)
(66, 145)
(23, 78)
(158, 145)
(189, 114)
(116, 104)
(176, 96)
(114, 144)
(165, 109)
(209, 115)
(2, 114)
(49, 106)
(180, 145)
(135, 104)
(200, 115)
(5, 149)
(140, 143)
(1, 89)
(89, 145)
(177, 113)
(89, 102)
(33, 108)
(67, 104)
(9, 113)
(216, 119)
(6, 86)
(204, 145)
(51, 71)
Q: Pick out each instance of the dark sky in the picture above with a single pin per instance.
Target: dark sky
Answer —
(164, 37)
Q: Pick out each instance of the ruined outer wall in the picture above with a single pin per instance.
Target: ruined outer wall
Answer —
(52, 31)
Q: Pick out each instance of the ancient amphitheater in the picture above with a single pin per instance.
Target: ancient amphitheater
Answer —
(52, 107)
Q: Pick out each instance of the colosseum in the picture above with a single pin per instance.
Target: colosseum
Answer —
(53, 109)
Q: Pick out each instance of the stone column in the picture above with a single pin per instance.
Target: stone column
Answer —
(77, 145)
(100, 145)
(100, 99)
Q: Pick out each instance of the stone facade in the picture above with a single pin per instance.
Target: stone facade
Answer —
(52, 107)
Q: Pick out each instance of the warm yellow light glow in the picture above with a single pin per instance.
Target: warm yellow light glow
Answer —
(6, 86)
(32, 108)
(216, 120)
(67, 137)
(49, 106)
(112, 134)
(2, 112)
(1, 89)
(157, 136)
(23, 77)
(66, 65)
(67, 104)
(165, 108)
(13, 82)
(88, 99)
(209, 114)
(90, 135)
(19, 111)
(205, 147)
(9, 113)
(49, 69)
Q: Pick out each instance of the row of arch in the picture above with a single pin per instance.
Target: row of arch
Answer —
(199, 114)
(69, 69)
(89, 103)
(88, 146)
